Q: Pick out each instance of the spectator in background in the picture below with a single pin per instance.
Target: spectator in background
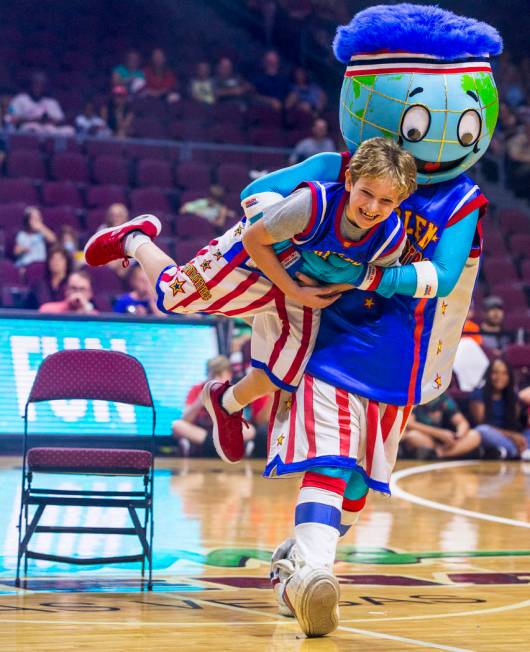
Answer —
(36, 112)
(69, 240)
(118, 113)
(116, 214)
(195, 426)
(32, 239)
(318, 142)
(211, 208)
(471, 328)
(492, 325)
(202, 85)
(230, 87)
(129, 73)
(160, 80)
(304, 94)
(140, 299)
(270, 84)
(89, 123)
(439, 430)
(77, 297)
(51, 287)
(497, 413)
(518, 154)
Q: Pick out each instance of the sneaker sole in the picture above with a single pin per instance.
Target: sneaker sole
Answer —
(317, 612)
(152, 218)
(205, 396)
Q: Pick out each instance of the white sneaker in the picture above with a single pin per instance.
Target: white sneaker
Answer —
(313, 594)
(283, 566)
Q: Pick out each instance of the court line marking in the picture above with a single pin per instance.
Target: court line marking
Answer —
(403, 639)
(397, 492)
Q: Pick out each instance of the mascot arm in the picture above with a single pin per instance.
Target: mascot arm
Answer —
(323, 167)
(438, 277)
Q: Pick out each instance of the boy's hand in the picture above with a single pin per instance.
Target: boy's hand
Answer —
(307, 281)
(316, 296)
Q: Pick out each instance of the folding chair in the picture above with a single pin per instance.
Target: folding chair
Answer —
(96, 375)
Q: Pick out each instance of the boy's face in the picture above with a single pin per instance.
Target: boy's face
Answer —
(371, 201)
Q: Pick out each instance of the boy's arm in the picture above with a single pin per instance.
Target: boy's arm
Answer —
(258, 244)
(322, 167)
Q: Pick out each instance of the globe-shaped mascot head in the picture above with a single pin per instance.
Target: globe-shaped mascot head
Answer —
(420, 75)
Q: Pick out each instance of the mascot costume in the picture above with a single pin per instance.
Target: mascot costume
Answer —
(421, 76)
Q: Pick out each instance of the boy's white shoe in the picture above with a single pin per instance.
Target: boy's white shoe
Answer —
(313, 594)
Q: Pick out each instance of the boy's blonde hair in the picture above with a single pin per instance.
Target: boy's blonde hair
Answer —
(381, 157)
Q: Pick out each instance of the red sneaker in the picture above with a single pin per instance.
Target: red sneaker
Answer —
(227, 429)
(107, 245)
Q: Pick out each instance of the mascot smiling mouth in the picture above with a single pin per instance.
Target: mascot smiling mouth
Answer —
(430, 167)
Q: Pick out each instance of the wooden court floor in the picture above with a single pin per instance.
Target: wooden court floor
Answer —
(442, 565)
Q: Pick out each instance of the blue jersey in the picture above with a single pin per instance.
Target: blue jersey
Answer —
(400, 350)
(322, 236)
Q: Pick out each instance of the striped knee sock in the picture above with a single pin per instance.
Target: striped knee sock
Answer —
(317, 519)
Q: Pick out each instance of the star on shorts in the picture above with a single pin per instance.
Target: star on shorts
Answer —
(279, 440)
(178, 286)
(218, 255)
(438, 381)
(206, 264)
(369, 303)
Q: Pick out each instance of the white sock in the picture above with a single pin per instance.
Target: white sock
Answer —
(230, 403)
(133, 241)
(316, 542)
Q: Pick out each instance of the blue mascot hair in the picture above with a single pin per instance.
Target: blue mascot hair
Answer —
(420, 29)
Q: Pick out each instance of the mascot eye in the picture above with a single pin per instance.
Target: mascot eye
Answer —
(415, 123)
(469, 127)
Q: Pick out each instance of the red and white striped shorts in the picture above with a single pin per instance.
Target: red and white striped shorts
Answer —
(283, 332)
(322, 425)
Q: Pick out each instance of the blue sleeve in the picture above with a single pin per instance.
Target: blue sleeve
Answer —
(321, 167)
(448, 260)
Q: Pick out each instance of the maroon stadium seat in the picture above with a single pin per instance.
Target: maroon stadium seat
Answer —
(24, 141)
(267, 137)
(147, 150)
(190, 227)
(57, 216)
(518, 355)
(525, 271)
(105, 195)
(264, 115)
(149, 128)
(26, 163)
(18, 190)
(519, 318)
(153, 172)
(494, 244)
(65, 193)
(513, 296)
(104, 147)
(499, 270)
(69, 166)
(149, 200)
(34, 272)
(191, 176)
(94, 219)
(512, 219)
(267, 161)
(9, 274)
(110, 169)
(105, 281)
(520, 244)
(185, 250)
(227, 133)
(11, 215)
(233, 177)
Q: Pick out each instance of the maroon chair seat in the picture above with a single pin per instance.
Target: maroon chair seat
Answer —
(518, 355)
(512, 219)
(149, 200)
(26, 163)
(104, 196)
(191, 176)
(520, 244)
(69, 166)
(61, 193)
(154, 172)
(18, 190)
(89, 460)
(108, 169)
(233, 177)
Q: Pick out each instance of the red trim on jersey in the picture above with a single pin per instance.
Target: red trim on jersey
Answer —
(378, 275)
(307, 329)
(418, 330)
(215, 280)
(289, 456)
(343, 405)
(309, 416)
(216, 306)
(477, 202)
(314, 207)
(258, 303)
(372, 420)
(398, 244)
(354, 505)
(321, 481)
(388, 420)
(286, 327)
(345, 161)
(418, 69)
(272, 417)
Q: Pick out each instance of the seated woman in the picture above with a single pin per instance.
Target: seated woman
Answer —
(497, 413)
(439, 429)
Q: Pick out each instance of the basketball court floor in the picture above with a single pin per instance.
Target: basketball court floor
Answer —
(442, 565)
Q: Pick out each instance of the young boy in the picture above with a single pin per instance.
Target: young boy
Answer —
(321, 228)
